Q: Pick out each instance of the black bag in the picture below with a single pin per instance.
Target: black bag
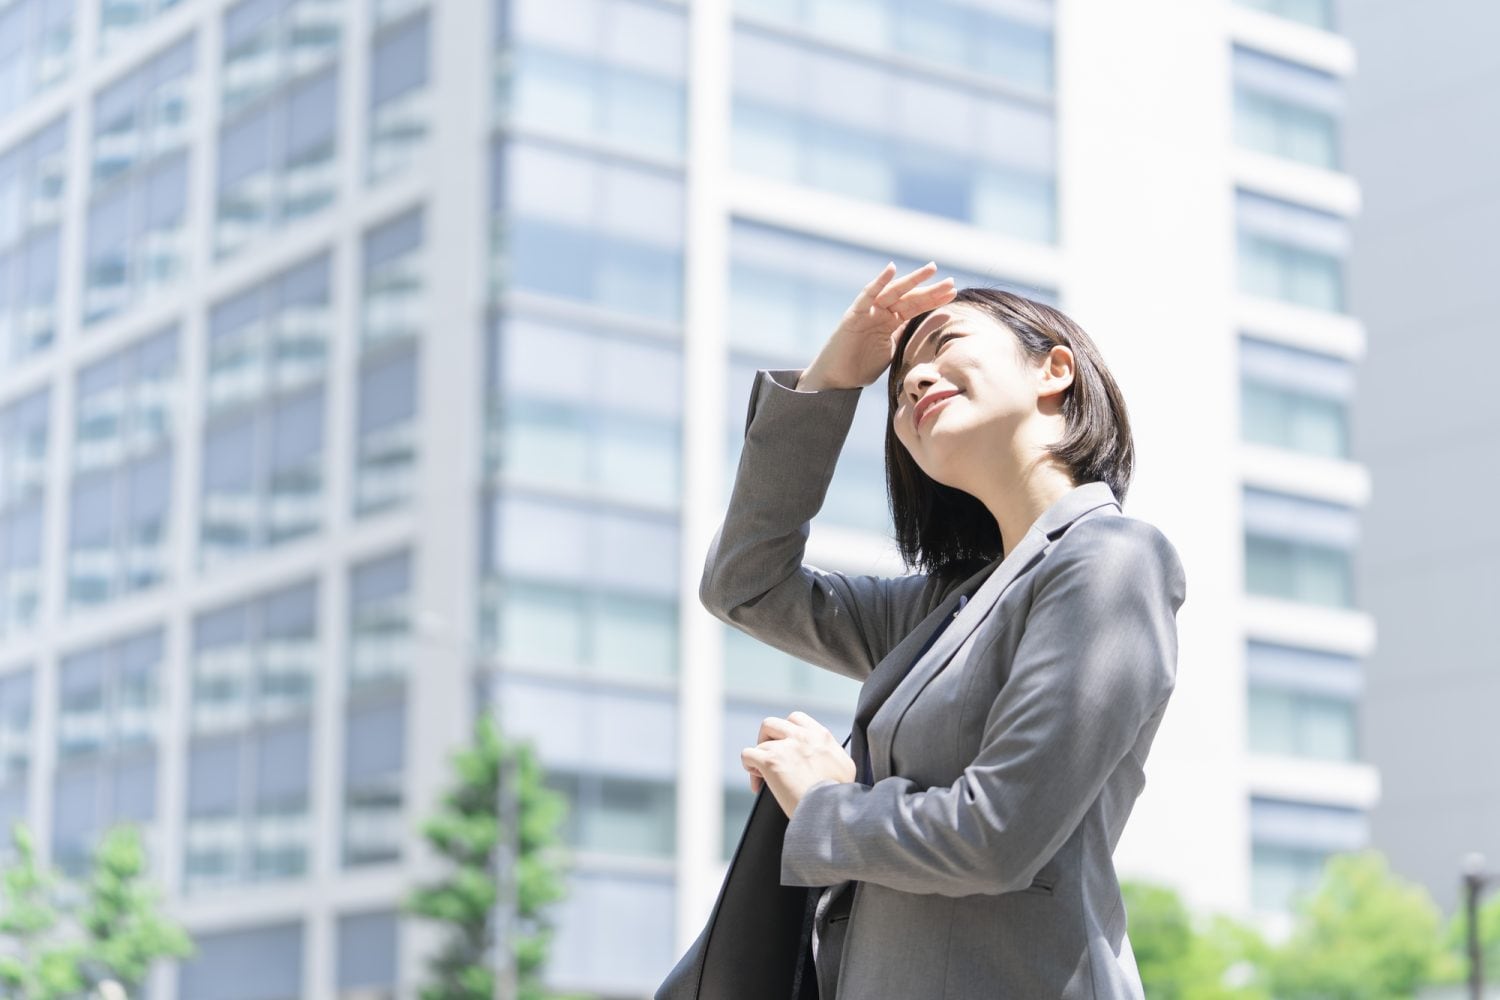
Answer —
(757, 944)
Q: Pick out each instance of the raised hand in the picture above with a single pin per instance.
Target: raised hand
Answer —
(863, 344)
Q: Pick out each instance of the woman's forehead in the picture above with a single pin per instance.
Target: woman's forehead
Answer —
(953, 312)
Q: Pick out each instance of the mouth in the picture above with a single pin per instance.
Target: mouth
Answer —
(931, 403)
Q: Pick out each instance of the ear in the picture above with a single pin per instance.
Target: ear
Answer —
(1055, 371)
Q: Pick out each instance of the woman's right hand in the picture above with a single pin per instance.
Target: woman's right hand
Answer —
(864, 343)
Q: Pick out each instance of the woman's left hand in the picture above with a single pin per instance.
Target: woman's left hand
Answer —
(793, 754)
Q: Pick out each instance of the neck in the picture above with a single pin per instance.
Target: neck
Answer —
(1020, 487)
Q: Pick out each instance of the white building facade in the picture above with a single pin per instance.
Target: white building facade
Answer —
(363, 363)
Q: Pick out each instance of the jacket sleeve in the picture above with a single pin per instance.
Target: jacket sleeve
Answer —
(1096, 664)
(753, 575)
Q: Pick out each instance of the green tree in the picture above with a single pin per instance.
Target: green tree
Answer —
(466, 831)
(1180, 960)
(36, 966)
(1363, 934)
(125, 930)
(114, 933)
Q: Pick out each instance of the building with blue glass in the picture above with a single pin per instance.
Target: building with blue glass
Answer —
(366, 363)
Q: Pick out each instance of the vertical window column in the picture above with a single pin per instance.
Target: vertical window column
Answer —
(33, 189)
(23, 477)
(15, 749)
(375, 710)
(123, 460)
(137, 238)
(249, 766)
(107, 732)
(393, 314)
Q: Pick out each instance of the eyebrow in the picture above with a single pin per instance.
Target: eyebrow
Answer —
(906, 365)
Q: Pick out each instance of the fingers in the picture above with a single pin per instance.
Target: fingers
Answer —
(928, 297)
(893, 292)
(750, 759)
(775, 728)
(803, 719)
(867, 294)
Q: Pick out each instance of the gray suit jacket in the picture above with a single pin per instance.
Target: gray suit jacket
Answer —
(1005, 761)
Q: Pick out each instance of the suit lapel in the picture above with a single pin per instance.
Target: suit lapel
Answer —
(892, 687)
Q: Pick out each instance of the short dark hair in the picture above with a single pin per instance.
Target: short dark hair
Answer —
(945, 531)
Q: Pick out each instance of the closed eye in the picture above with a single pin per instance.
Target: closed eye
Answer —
(896, 396)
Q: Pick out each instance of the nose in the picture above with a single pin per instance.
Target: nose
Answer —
(916, 384)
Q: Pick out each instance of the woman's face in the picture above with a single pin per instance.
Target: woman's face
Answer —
(967, 389)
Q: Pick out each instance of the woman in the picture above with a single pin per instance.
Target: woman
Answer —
(1011, 688)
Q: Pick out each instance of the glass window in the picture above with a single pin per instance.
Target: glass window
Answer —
(600, 431)
(122, 471)
(753, 669)
(1293, 668)
(23, 459)
(400, 107)
(578, 726)
(374, 762)
(395, 281)
(589, 952)
(573, 227)
(563, 546)
(614, 77)
(262, 963)
(578, 629)
(386, 453)
(368, 950)
(90, 795)
(263, 477)
(1287, 109)
(806, 115)
(268, 43)
(255, 661)
(380, 622)
(272, 338)
(248, 807)
(1299, 549)
(1317, 13)
(137, 242)
(1307, 825)
(1292, 842)
(109, 697)
(122, 19)
(1010, 43)
(380, 648)
(15, 749)
(1291, 253)
(277, 159)
(1298, 724)
(1295, 399)
(33, 188)
(263, 446)
(36, 48)
(617, 815)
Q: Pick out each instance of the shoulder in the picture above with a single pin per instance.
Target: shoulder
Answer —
(1112, 548)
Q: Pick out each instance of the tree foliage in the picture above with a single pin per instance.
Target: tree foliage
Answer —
(1362, 934)
(466, 831)
(126, 930)
(1180, 960)
(55, 950)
